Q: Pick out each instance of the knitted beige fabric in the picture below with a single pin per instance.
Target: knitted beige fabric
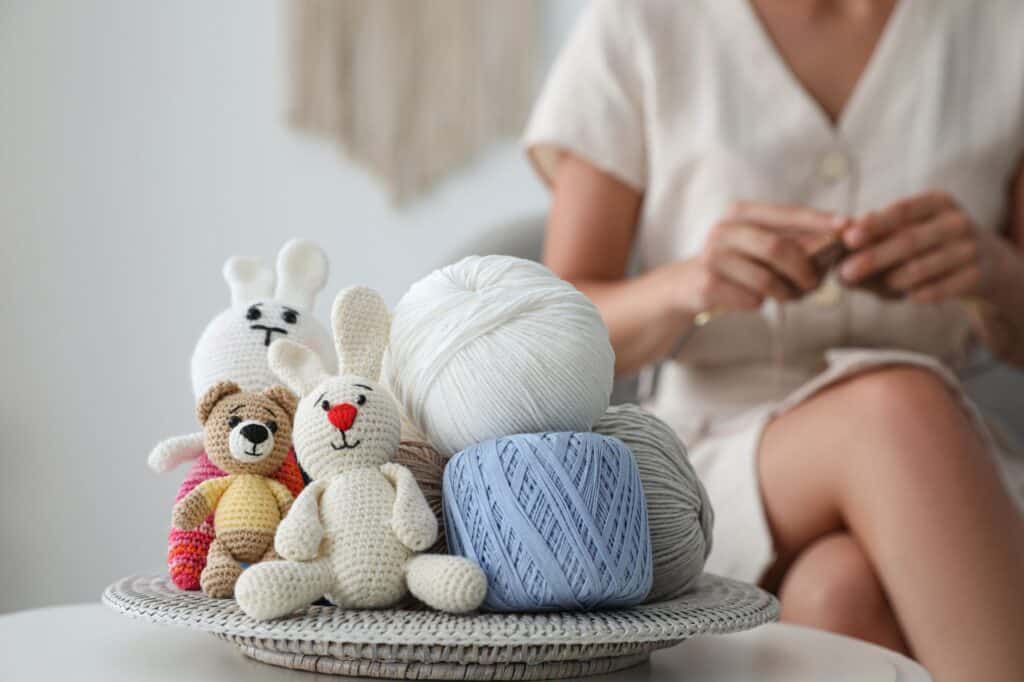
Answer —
(353, 533)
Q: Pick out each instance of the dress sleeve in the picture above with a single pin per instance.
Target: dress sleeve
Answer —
(592, 102)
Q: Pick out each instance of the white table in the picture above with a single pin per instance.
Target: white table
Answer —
(89, 642)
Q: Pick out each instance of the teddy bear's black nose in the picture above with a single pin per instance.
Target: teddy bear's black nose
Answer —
(255, 433)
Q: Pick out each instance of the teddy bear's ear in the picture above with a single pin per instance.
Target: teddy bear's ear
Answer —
(249, 280)
(214, 395)
(362, 325)
(284, 399)
(301, 273)
(297, 366)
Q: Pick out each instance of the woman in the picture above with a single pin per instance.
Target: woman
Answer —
(725, 140)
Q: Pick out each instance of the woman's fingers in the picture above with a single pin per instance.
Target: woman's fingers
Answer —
(785, 217)
(877, 225)
(904, 244)
(960, 283)
(772, 250)
(719, 293)
(757, 279)
(933, 264)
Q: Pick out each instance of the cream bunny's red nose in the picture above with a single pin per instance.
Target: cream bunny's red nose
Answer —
(342, 416)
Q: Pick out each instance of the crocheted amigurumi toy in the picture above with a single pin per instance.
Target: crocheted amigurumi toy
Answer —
(233, 347)
(248, 435)
(354, 532)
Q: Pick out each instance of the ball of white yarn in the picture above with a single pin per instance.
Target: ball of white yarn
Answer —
(679, 512)
(493, 346)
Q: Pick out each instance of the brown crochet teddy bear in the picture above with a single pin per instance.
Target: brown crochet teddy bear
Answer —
(248, 435)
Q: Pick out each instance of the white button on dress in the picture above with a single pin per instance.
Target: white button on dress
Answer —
(833, 166)
(690, 103)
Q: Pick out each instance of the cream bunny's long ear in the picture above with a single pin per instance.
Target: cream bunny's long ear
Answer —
(297, 366)
(249, 280)
(362, 325)
(301, 273)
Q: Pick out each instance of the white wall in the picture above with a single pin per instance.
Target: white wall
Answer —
(142, 142)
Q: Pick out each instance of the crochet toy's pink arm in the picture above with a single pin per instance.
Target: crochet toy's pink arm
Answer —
(411, 518)
(171, 452)
(299, 534)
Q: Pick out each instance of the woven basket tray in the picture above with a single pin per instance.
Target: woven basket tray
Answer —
(422, 644)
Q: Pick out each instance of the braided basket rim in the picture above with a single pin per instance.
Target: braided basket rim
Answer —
(714, 605)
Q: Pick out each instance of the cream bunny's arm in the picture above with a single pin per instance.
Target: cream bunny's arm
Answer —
(190, 510)
(299, 534)
(411, 518)
(171, 452)
(283, 496)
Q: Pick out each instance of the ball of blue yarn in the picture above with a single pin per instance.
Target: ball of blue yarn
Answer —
(557, 521)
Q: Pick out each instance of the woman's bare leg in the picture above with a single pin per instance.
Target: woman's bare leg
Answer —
(892, 457)
(833, 586)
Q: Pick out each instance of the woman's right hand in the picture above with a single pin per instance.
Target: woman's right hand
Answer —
(756, 251)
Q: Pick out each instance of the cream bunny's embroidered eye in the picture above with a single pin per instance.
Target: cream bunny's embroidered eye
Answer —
(253, 313)
(290, 316)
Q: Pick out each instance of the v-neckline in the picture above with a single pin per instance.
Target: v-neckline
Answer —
(873, 71)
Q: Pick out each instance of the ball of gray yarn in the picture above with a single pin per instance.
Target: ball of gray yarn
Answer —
(679, 512)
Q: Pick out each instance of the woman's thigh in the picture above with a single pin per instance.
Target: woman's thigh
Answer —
(818, 460)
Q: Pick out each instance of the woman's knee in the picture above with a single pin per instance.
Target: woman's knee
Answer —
(898, 392)
(832, 586)
(910, 409)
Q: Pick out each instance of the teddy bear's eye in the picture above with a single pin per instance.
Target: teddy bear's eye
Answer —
(272, 426)
(290, 316)
(234, 421)
(326, 405)
(361, 400)
(253, 313)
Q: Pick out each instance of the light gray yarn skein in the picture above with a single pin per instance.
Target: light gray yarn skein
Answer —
(679, 512)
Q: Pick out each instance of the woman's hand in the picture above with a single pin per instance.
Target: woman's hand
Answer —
(756, 251)
(925, 247)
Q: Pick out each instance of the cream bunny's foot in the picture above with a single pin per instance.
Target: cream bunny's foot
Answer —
(446, 583)
(276, 588)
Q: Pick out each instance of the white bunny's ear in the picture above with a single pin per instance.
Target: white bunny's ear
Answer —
(362, 325)
(249, 280)
(301, 273)
(297, 366)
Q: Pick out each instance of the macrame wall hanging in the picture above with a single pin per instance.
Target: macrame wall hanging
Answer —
(411, 89)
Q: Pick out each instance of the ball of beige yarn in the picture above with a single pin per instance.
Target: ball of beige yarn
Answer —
(679, 512)
(427, 467)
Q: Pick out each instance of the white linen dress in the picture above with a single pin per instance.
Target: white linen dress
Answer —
(689, 102)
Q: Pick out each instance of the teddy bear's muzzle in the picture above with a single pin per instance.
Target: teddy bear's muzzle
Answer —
(250, 441)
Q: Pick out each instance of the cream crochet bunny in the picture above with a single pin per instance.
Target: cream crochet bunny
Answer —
(353, 534)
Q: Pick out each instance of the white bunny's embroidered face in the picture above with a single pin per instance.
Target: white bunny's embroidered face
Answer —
(348, 421)
(269, 318)
(234, 345)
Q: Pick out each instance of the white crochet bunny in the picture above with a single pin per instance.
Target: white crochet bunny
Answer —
(234, 345)
(353, 533)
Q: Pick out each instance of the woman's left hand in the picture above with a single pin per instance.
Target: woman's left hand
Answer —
(925, 247)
